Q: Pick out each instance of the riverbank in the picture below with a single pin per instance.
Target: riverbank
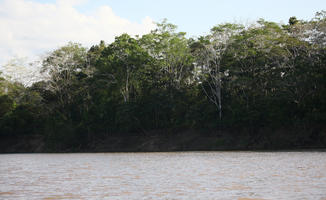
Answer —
(164, 141)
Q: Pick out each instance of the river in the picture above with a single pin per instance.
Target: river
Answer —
(180, 175)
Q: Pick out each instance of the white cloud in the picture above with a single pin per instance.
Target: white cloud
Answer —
(30, 28)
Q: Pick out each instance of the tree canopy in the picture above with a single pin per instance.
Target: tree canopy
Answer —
(262, 75)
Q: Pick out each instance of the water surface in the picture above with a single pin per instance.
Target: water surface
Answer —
(189, 175)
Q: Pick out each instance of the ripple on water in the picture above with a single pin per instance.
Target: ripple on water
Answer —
(191, 175)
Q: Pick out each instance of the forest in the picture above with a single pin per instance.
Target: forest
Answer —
(259, 86)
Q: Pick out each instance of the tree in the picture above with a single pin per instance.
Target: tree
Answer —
(317, 29)
(293, 21)
(120, 63)
(209, 54)
(19, 70)
(64, 69)
(171, 53)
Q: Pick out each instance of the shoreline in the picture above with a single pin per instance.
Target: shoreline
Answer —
(186, 141)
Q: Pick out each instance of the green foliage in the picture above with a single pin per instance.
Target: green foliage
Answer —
(293, 21)
(263, 75)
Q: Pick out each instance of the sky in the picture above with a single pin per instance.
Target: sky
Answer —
(32, 28)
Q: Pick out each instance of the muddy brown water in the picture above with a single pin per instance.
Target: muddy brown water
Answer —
(181, 175)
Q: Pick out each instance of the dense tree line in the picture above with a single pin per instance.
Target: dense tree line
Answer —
(235, 78)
